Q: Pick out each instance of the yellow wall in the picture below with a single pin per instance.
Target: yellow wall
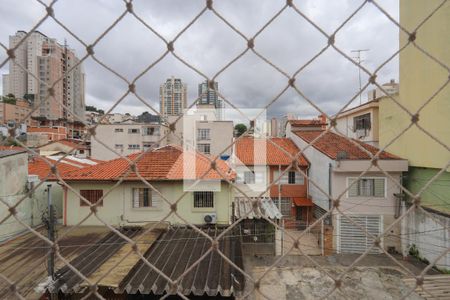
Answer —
(119, 203)
(420, 77)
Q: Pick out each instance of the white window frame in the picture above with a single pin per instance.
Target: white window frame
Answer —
(130, 131)
(204, 152)
(354, 178)
(134, 148)
(203, 134)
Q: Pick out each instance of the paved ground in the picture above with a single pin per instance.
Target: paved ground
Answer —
(308, 243)
(295, 277)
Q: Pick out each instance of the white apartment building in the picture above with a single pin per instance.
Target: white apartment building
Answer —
(173, 97)
(125, 139)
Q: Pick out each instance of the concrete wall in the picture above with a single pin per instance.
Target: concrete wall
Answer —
(429, 233)
(117, 206)
(318, 172)
(420, 78)
(252, 190)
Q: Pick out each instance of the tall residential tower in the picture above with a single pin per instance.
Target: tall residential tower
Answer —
(42, 57)
(209, 97)
(172, 97)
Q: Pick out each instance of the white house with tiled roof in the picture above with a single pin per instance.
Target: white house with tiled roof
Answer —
(372, 201)
(169, 173)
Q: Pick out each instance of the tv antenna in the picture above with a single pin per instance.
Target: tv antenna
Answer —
(359, 60)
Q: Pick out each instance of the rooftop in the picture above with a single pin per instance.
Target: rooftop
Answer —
(331, 144)
(68, 142)
(266, 152)
(307, 123)
(10, 150)
(40, 165)
(165, 163)
(175, 252)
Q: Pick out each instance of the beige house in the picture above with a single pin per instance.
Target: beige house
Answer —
(372, 201)
(169, 171)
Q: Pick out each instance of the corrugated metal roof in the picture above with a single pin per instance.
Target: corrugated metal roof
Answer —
(255, 208)
(90, 260)
(175, 252)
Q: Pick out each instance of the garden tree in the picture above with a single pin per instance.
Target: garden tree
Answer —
(10, 99)
(93, 108)
(239, 129)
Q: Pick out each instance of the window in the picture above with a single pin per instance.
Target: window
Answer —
(118, 146)
(361, 122)
(133, 130)
(290, 177)
(142, 197)
(134, 146)
(204, 148)
(147, 145)
(366, 187)
(286, 205)
(118, 130)
(92, 196)
(203, 199)
(150, 131)
(249, 177)
(203, 134)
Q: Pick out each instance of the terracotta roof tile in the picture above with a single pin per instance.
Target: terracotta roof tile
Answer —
(331, 144)
(166, 163)
(39, 167)
(307, 123)
(273, 155)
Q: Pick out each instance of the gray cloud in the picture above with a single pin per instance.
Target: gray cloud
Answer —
(289, 42)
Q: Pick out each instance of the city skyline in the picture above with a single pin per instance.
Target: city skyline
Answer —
(249, 82)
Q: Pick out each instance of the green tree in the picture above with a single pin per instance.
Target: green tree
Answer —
(239, 129)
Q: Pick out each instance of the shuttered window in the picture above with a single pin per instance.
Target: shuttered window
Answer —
(92, 196)
(366, 187)
(285, 206)
(144, 197)
(352, 239)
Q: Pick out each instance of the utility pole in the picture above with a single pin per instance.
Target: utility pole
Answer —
(359, 61)
(51, 233)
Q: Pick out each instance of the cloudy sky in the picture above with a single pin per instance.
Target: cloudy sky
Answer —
(289, 42)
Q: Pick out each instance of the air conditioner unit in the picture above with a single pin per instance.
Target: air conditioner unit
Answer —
(210, 218)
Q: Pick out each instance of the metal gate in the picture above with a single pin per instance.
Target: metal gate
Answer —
(352, 239)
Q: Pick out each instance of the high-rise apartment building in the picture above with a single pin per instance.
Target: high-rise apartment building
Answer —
(49, 61)
(173, 97)
(209, 97)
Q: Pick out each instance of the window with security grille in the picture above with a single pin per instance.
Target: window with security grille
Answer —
(361, 122)
(92, 196)
(204, 148)
(134, 146)
(203, 134)
(204, 199)
(142, 197)
(367, 187)
(284, 206)
(118, 130)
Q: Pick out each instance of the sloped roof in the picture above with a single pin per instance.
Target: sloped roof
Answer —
(176, 251)
(10, 150)
(166, 163)
(68, 142)
(307, 123)
(265, 207)
(331, 144)
(38, 166)
(245, 151)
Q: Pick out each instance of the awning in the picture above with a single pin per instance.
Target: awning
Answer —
(265, 207)
(300, 201)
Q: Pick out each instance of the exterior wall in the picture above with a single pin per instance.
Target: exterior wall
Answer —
(13, 182)
(252, 190)
(436, 195)
(420, 78)
(287, 190)
(221, 133)
(59, 147)
(16, 113)
(318, 172)
(106, 133)
(428, 233)
(117, 207)
(345, 126)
